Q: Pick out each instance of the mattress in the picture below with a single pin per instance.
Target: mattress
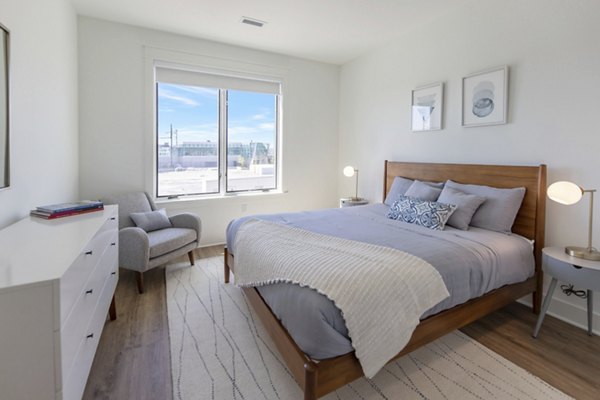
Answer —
(471, 264)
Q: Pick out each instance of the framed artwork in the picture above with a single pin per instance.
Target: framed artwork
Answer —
(427, 107)
(4, 109)
(485, 97)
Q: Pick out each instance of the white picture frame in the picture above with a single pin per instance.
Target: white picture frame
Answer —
(485, 97)
(427, 107)
(5, 134)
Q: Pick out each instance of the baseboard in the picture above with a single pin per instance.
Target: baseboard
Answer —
(210, 245)
(567, 312)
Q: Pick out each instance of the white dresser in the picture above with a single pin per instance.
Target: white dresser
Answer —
(57, 281)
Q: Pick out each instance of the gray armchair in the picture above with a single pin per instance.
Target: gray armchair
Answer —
(140, 250)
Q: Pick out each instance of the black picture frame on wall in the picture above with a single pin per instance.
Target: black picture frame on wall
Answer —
(4, 107)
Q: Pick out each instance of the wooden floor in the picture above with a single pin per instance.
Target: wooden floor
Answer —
(133, 361)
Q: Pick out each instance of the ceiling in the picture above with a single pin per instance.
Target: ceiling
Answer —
(332, 31)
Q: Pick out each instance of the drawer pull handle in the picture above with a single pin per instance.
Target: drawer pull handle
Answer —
(91, 335)
(89, 291)
(113, 244)
(112, 218)
(89, 253)
(113, 273)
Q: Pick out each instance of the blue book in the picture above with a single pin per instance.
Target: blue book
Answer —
(76, 206)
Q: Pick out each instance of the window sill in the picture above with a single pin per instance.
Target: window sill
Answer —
(219, 197)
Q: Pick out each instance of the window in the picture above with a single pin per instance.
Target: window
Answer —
(215, 134)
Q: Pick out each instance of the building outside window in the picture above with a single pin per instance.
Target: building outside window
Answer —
(215, 134)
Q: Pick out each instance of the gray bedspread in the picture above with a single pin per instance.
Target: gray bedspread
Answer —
(471, 263)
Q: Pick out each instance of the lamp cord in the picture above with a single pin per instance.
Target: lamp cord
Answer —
(570, 289)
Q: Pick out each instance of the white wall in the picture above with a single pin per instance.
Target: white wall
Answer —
(114, 123)
(553, 52)
(43, 82)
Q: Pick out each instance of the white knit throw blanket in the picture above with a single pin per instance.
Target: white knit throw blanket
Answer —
(380, 291)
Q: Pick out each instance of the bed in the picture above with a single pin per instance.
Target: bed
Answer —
(318, 378)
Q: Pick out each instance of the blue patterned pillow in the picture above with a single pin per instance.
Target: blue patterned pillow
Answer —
(429, 214)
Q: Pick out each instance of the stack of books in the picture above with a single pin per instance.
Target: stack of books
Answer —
(67, 209)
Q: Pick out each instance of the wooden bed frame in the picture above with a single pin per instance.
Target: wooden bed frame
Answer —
(317, 378)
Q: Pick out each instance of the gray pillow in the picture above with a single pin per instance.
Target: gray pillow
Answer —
(401, 185)
(151, 220)
(466, 205)
(500, 208)
(423, 191)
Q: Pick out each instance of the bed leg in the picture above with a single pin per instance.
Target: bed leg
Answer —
(226, 270)
(310, 382)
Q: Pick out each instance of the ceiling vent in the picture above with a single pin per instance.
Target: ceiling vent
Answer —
(253, 22)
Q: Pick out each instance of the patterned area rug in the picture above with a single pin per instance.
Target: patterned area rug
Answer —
(219, 350)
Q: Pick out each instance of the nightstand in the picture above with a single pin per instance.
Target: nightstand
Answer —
(351, 202)
(576, 271)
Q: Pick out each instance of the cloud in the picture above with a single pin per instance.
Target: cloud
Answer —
(166, 94)
(264, 113)
(208, 92)
(267, 126)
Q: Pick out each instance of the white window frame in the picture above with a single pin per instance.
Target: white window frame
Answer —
(155, 57)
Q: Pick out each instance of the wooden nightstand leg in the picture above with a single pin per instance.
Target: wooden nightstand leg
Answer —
(590, 301)
(547, 300)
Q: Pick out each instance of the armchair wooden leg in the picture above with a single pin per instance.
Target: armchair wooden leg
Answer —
(226, 270)
(112, 311)
(191, 256)
(140, 281)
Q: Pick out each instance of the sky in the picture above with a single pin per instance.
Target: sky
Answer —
(193, 112)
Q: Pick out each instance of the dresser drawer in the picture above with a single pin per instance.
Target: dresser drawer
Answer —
(75, 380)
(73, 330)
(73, 280)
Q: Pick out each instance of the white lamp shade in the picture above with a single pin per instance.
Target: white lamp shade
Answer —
(349, 171)
(565, 192)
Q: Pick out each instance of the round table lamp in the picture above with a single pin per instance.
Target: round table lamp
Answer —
(350, 171)
(568, 193)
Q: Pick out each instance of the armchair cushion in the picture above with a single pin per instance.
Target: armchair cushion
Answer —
(151, 220)
(187, 220)
(166, 240)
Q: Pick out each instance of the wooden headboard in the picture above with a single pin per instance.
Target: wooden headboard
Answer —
(530, 221)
